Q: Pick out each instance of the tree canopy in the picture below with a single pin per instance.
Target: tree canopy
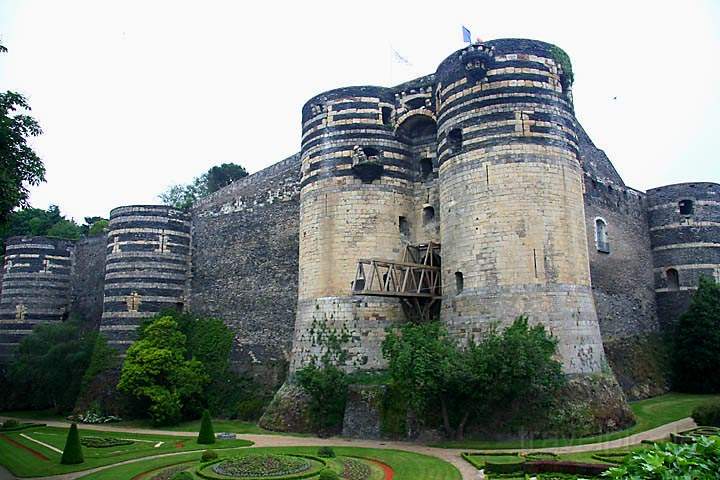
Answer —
(19, 164)
(217, 177)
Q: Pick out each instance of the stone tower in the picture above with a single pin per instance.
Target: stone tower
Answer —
(684, 222)
(146, 270)
(35, 287)
(511, 192)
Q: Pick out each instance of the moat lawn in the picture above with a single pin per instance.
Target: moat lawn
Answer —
(36, 451)
(405, 465)
(649, 413)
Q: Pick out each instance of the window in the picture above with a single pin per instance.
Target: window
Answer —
(601, 236)
(418, 102)
(455, 138)
(403, 226)
(386, 115)
(672, 279)
(459, 282)
(686, 207)
(428, 215)
(426, 168)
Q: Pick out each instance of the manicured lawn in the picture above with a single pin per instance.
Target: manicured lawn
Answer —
(406, 465)
(220, 425)
(27, 458)
(649, 413)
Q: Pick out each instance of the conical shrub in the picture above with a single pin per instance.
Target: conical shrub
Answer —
(207, 434)
(72, 453)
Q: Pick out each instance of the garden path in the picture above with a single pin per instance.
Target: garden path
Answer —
(449, 455)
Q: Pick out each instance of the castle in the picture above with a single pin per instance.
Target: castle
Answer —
(472, 194)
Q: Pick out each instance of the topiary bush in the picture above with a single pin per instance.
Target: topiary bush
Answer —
(72, 453)
(328, 474)
(707, 415)
(209, 455)
(326, 452)
(10, 423)
(206, 436)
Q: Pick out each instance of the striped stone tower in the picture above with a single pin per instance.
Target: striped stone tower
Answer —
(35, 287)
(148, 258)
(684, 224)
(356, 187)
(513, 224)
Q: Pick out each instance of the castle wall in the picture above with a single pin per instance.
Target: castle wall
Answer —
(513, 223)
(146, 270)
(686, 243)
(88, 279)
(36, 287)
(245, 265)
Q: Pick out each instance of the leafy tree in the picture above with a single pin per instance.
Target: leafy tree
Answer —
(48, 368)
(72, 453)
(327, 387)
(206, 436)
(505, 371)
(19, 164)
(157, 373)
(98, 227)
(103, 358)
(217, 177)
(36, 221)
(697, 341)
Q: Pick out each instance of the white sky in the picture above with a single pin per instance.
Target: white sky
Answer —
(134, 96)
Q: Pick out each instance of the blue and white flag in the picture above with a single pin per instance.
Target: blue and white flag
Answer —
(466, 35)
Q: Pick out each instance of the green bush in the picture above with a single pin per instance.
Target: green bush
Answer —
(328, 474)
(699, 460)
(250, 408)
(707, 415)
(327, 388)
(72, 453)
(504, 465)
(183, 476)
(206, 436)
(10, 423)
(209, 455)
(326, 452)
(103, 442)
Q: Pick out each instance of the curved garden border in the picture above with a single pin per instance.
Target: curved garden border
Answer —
(203, 471)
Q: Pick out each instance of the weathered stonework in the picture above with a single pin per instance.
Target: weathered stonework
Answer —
(363, 411)
(36, 287)
(88, 279)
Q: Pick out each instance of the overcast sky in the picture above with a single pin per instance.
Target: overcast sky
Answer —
(134, 96)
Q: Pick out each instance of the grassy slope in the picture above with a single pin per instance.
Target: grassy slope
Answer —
(649, 413)
(24, 464)
(407, 466)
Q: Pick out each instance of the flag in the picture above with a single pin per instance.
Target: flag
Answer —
(466, 35)
(399, 58)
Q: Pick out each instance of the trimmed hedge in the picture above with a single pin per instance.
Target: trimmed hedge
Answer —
(206, 436)
(22, 426)
(574, 468)
(691, 436)
(611, 457)
(72, 453)
(208, 456)
(103, 442)
(708, 414)
(505, 466)
(540, 456)
(326, 452)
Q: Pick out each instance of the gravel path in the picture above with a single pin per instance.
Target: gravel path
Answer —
(449, 455)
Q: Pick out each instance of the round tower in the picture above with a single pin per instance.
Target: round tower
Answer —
(684, 222)
(513, 226)
(146, 270)
(355, 203)
(35, 287)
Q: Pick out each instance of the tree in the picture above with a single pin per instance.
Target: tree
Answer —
(503, 371)
(49, 365)
(158, 375)
(697, 341)
(217, 177)
(206, 436)
(72, 453)
(36, 221)
(19, 164)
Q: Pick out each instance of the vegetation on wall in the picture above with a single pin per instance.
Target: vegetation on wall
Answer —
(697, 342)
(562, 58)
(183, 196)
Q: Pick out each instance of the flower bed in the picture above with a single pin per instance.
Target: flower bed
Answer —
(104, 442)
(262, 466)
(354, 469)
